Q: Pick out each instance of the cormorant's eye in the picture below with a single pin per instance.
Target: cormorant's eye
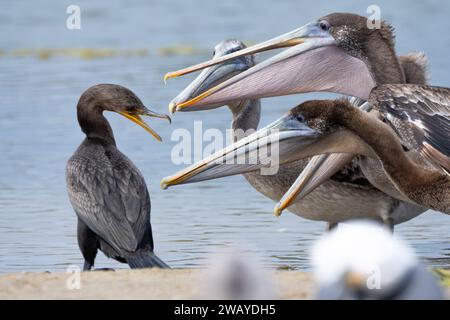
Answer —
(324, 25)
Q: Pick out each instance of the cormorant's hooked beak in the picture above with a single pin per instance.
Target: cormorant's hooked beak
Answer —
(279, 142)
(313, 63)
(207, 79)
(135, 117)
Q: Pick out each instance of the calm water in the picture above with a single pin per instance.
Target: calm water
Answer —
(39, 132)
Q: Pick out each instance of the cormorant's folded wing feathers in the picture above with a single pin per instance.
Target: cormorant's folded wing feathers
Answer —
(112, 200)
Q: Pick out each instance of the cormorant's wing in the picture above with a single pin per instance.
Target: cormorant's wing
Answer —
(110, 196)
(420, 115)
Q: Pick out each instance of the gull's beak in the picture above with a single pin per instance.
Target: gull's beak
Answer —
(319, 169)
(207, 79)
(279, 142)
(313, 63)
(355, 280)
(135, 117)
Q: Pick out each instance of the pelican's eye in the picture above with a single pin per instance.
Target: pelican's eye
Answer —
(300, 117)
(324, 25)
(231, 50)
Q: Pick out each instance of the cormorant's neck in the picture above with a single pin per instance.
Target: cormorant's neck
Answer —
(246, 114)
(383, 61)
(93, 123)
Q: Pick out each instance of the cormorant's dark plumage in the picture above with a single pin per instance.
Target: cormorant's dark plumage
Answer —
(106, 190)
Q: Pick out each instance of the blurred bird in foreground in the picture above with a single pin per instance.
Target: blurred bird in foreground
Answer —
(234, 275)
(364, 261)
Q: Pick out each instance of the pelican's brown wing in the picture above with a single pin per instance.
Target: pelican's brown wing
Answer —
(420, 115)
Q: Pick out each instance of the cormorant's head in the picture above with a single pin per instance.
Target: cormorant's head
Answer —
(116, 98)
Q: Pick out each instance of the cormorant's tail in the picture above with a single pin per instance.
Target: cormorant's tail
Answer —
(145, 259)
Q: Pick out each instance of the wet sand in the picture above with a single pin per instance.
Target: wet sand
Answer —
(136, 284)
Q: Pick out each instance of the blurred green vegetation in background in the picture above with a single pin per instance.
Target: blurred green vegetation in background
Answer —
(94, 53)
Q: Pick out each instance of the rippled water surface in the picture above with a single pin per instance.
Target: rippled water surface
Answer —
(44, 68)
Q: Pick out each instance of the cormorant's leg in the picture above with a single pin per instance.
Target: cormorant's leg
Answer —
(331, 225)
(389, 223)
(87, 265)
(88, 243)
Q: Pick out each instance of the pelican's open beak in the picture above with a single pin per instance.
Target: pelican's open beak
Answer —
(207, 79)
(313, 63)
(279, 142)
(135, 117)
(289, 39)
(319, 169)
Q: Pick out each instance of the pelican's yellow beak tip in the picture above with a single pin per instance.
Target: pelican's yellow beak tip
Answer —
(173, 107)
(164, 183)
(277, 211)
(166, 77)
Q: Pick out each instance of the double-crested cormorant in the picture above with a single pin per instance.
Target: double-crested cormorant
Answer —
(106, 190)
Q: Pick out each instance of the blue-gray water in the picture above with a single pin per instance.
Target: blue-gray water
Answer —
(38, 128)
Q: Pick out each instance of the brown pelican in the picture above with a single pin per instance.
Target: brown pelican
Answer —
(420, 118)
(323, 53)
(336, 126)
(106, 190)
(320, 205)
(323, 167)
(338, 46)
(246, 116)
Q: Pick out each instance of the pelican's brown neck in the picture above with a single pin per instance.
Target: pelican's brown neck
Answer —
(382, 60)
(246, 114)
(407, 175)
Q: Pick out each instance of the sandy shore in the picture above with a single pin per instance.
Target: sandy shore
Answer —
(132, 284)
(135, 284)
